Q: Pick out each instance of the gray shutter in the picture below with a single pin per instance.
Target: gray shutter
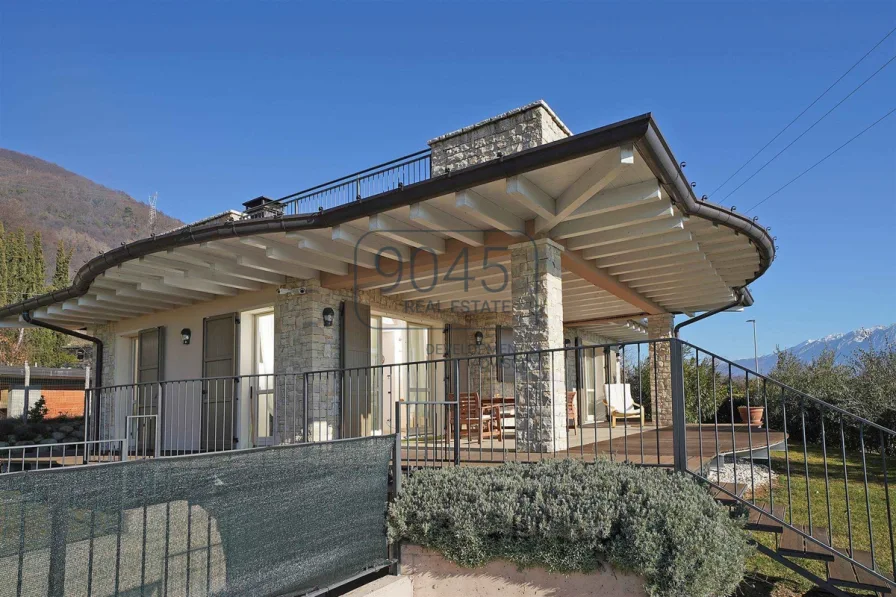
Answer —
(504, 336)
(219, 357)
(147, 399)
(354, 343)
(458, 346)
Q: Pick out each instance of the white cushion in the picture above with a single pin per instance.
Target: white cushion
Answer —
(619, 397)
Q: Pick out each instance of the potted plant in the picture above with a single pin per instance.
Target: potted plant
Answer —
(751, 415)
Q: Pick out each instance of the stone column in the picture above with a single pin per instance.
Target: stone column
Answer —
(660, 326)
(540, 386)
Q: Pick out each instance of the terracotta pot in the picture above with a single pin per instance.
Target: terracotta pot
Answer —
(754, 417)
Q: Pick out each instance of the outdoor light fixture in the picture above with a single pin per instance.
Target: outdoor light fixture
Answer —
(567, 342)
(478, 336)
(328, 317)
(186, 334)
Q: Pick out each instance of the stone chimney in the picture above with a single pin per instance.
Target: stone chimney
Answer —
(528, 126)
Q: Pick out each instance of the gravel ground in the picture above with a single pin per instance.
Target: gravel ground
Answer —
(726, 473)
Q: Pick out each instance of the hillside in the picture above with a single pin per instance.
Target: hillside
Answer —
(844, 346)
(88, 217)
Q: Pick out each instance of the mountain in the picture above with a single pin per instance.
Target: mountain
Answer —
(843, 345)
(86, 216)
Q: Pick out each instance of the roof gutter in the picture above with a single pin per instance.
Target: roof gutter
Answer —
(656, 152)
(739, 301)
(147, 246)
(98, 351)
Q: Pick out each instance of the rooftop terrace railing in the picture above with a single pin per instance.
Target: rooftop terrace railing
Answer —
(360, 185)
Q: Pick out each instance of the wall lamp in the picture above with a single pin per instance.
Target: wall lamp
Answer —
(478, 337)
(186, 334)
(328, 315)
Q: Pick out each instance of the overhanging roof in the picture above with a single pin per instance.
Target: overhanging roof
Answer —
(637, 239)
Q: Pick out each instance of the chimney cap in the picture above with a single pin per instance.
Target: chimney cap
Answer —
(257, 202)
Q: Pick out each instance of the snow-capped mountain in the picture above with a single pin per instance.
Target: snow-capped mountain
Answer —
(843, 345)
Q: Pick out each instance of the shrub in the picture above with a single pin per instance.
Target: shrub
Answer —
(569, 516)
(7, 427)
(24, 433)
(37, 412)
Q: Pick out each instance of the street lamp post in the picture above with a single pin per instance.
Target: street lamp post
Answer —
(755, 347)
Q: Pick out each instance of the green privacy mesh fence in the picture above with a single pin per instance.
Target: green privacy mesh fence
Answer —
(268, 521)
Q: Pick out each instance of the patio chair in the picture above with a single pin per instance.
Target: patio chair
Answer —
(620, 405)
(572, 413)
(483, 421)
(507, 412)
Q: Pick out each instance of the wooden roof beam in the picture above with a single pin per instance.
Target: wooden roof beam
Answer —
(602, 173)
(574, 262)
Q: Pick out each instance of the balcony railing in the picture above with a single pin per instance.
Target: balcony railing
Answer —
(358, 186)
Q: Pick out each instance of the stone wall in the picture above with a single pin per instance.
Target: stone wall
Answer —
(105, 401)
(482, 373)
(522, 128)
(537, 300)
(107, 334)
(304, 344)
(660, 326)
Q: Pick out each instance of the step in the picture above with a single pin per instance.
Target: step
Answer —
(722, 497)
(843, 573)
(793, 544)
(763, 522)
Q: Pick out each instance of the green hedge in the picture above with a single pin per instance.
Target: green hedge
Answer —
(568, 516)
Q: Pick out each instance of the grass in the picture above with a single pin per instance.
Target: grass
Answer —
(799, 506)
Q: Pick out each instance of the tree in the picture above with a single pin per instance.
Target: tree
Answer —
(4, 267)
(23, 274)
(865, 386)
(18, 266)
(61, 277)
(37, 268)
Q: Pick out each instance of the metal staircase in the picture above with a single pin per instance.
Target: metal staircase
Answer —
(852, 448)
(795, 546)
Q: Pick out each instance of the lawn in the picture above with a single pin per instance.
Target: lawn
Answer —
(817, 505)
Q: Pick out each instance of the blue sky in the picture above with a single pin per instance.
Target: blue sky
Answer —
(211, 104)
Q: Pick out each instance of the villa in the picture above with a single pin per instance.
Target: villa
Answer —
(508, 293)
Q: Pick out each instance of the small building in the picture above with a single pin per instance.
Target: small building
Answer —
(62, 389)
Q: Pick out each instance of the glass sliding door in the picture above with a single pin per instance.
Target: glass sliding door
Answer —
(596, 364)
(381, 418)
(592, 372)
(264, 386)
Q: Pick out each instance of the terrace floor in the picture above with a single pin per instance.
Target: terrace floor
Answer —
(632, 443)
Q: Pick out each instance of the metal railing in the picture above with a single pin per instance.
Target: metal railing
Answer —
(360, 185)
(654, 403)
(172, 418)
(503, 398)
(809, 465)
(60, 455)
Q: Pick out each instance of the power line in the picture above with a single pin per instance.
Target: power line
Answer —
(806, 109)
(806, 171)
(801, 135)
